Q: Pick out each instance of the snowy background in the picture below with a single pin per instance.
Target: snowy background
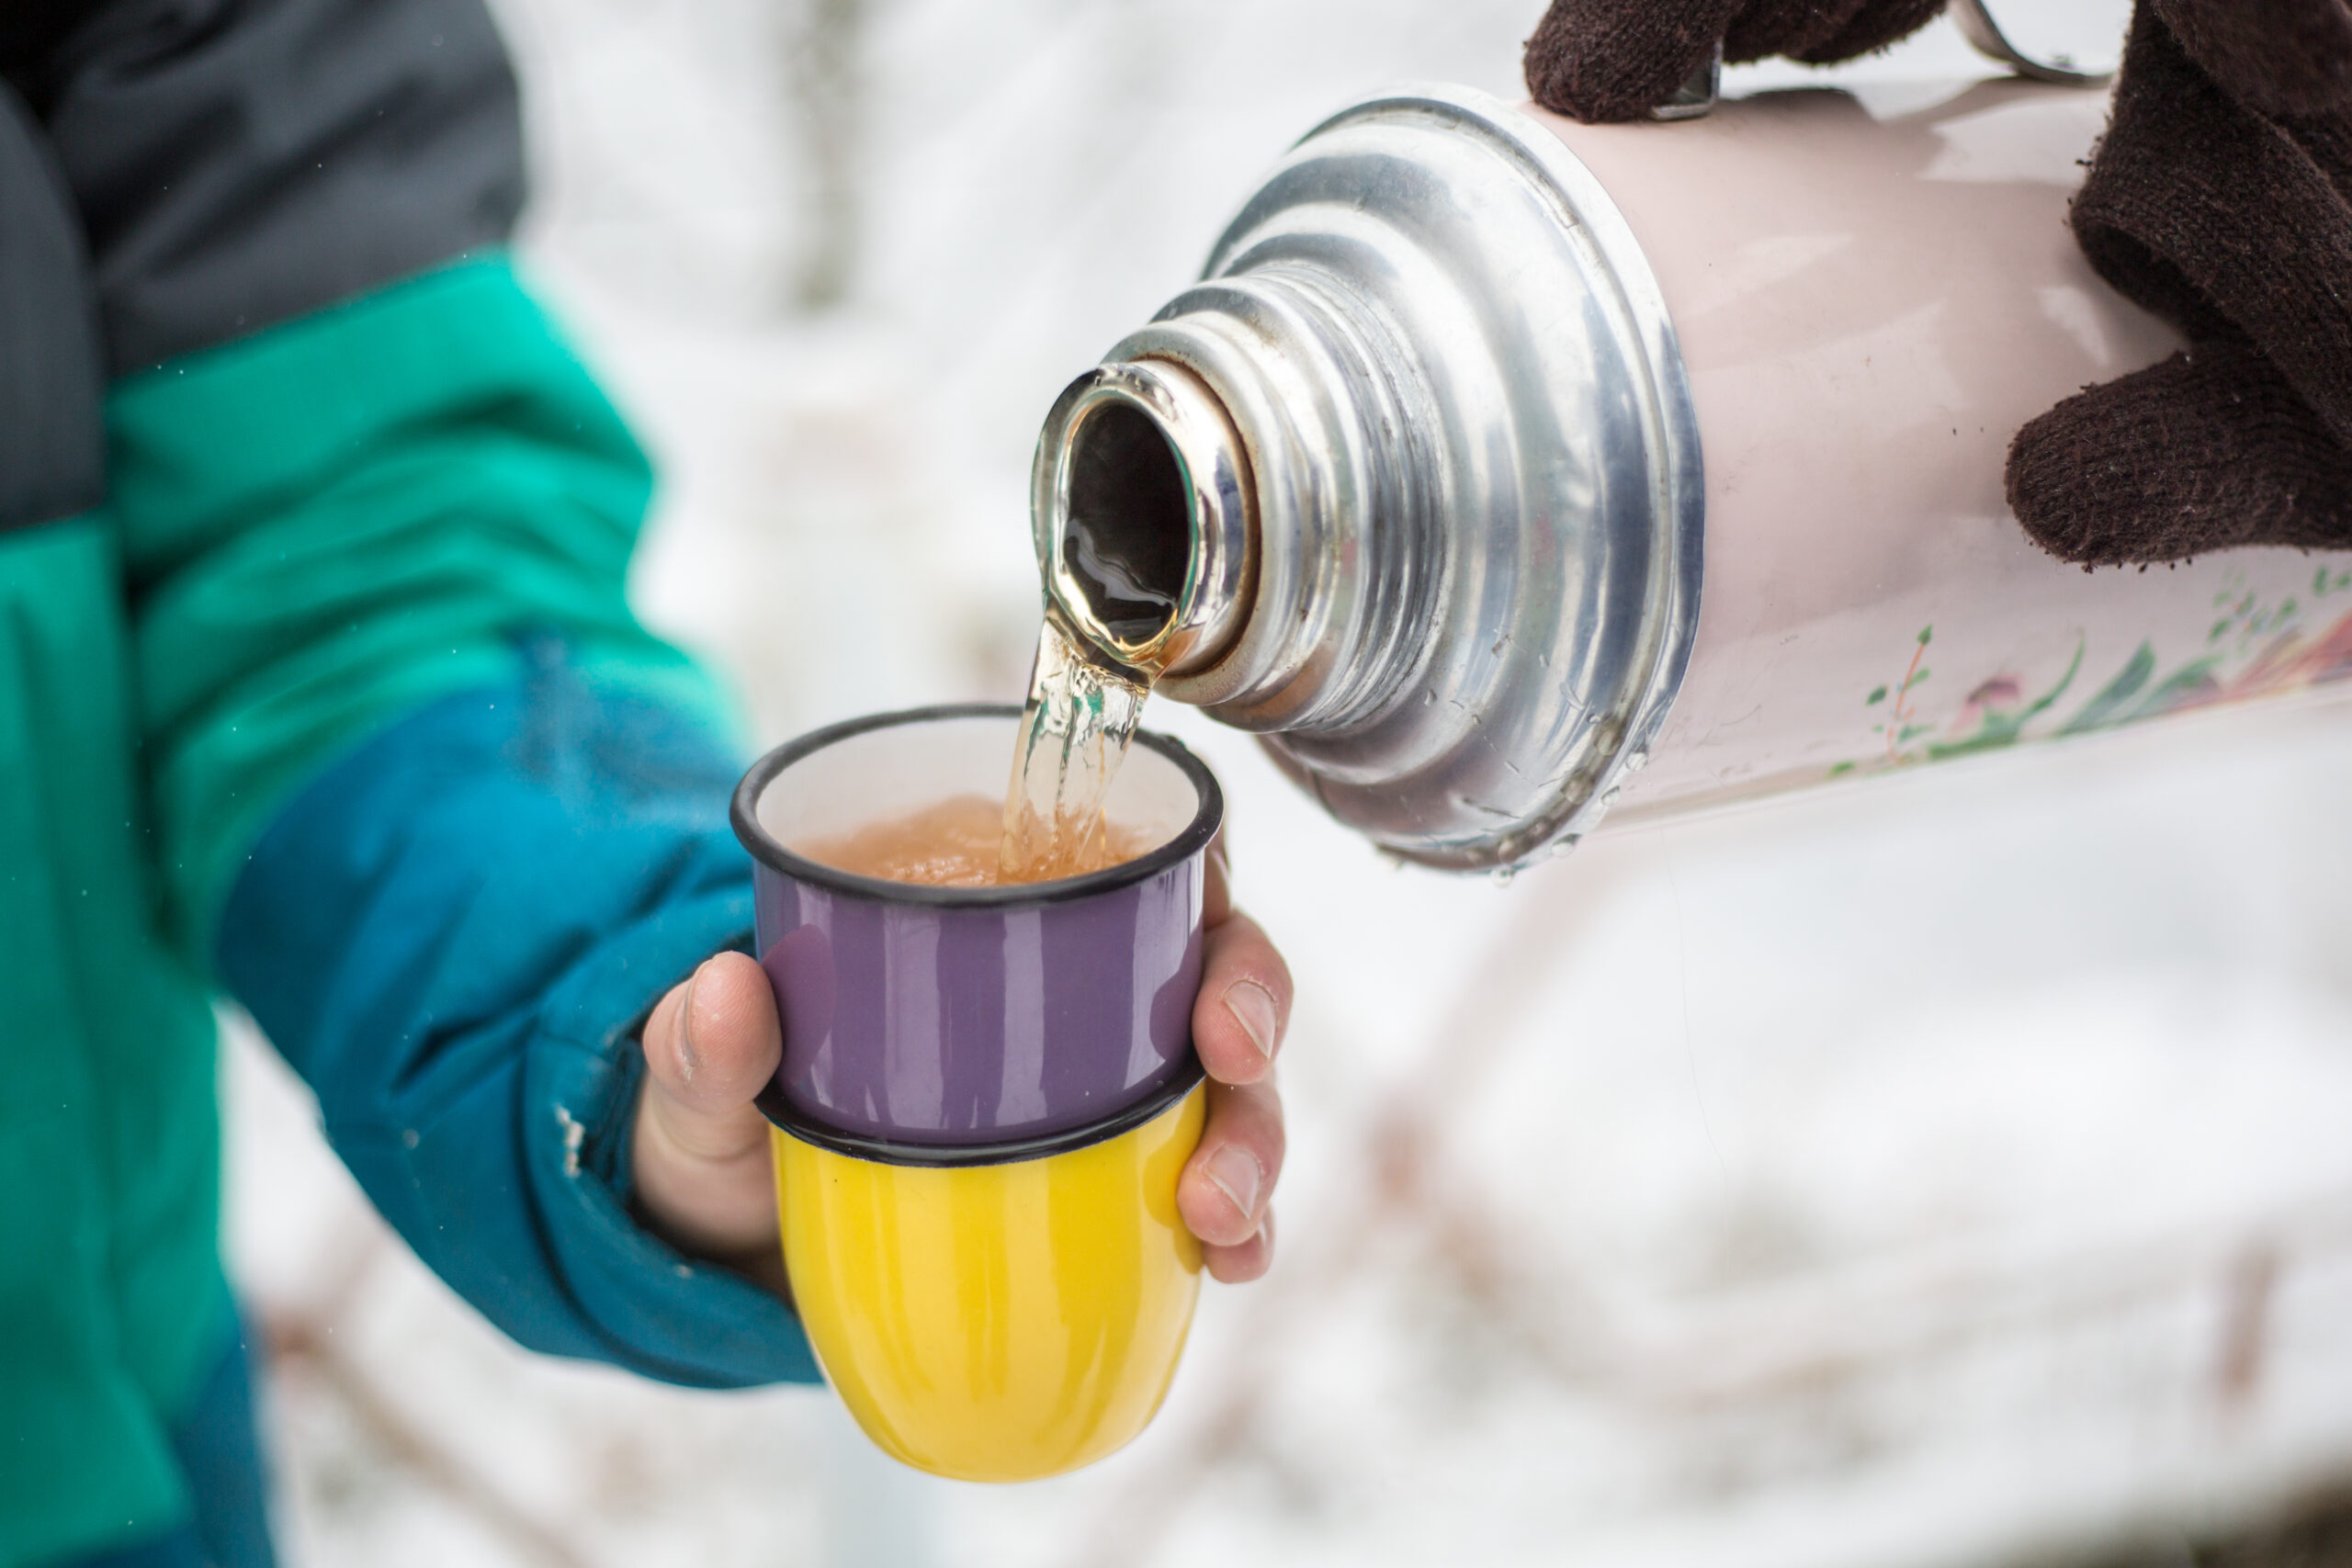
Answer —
(1955, 1170)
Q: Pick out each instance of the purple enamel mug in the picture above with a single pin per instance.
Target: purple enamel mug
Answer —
(966, 1016)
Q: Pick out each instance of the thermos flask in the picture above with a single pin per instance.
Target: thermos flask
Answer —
(1505, 473)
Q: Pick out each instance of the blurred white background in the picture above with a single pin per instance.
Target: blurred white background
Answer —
(1956, 1169)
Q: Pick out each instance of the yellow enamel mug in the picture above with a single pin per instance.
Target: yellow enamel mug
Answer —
(997, 1315)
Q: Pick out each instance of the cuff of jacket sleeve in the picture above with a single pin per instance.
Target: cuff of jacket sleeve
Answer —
(674, 1319)
(453, 934)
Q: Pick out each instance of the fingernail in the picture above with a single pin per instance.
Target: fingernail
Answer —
(1235, 1171)
(687, 1060)
(1253, 1007)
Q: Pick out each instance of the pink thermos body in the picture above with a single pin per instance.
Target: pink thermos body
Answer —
(1505, 473)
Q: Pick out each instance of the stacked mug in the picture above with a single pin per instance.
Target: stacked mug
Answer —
(985, 1100)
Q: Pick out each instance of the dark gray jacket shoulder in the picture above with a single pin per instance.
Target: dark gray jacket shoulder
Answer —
(235, 163)
(177, 173)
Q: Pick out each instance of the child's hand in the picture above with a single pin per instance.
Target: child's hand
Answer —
(701, 1149)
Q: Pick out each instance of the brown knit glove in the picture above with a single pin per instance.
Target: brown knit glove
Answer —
(1611, 60)
(2221, 200)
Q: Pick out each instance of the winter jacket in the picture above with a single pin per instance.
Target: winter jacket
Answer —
(316, 688)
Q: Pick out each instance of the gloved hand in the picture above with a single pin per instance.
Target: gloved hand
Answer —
(1612, 60)
(2221, 200)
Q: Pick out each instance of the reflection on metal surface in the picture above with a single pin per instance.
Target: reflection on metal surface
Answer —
(2082, 53)
(1458, 590)
(1086, 447)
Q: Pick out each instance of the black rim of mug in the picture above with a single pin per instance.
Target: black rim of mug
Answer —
(762, 846)
(891, 1151)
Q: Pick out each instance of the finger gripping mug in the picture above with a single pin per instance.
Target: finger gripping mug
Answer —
(986, 1098)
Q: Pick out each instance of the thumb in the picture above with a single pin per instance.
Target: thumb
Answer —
(700, 1148)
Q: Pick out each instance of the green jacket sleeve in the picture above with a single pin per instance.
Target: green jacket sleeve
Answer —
(434, 805)
(333, 523)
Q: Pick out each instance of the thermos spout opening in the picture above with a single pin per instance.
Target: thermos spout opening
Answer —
(1408, 484)
(1146, 522)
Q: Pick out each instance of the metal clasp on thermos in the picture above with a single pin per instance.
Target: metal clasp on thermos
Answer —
(1976, 24)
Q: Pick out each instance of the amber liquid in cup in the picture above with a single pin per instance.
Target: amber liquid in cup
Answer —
(959, 843)
(1076, 727)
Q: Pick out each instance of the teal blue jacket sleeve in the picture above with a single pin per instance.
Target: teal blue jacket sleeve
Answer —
(453, 933)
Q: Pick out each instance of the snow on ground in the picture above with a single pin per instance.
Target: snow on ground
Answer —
(1951, 1170)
